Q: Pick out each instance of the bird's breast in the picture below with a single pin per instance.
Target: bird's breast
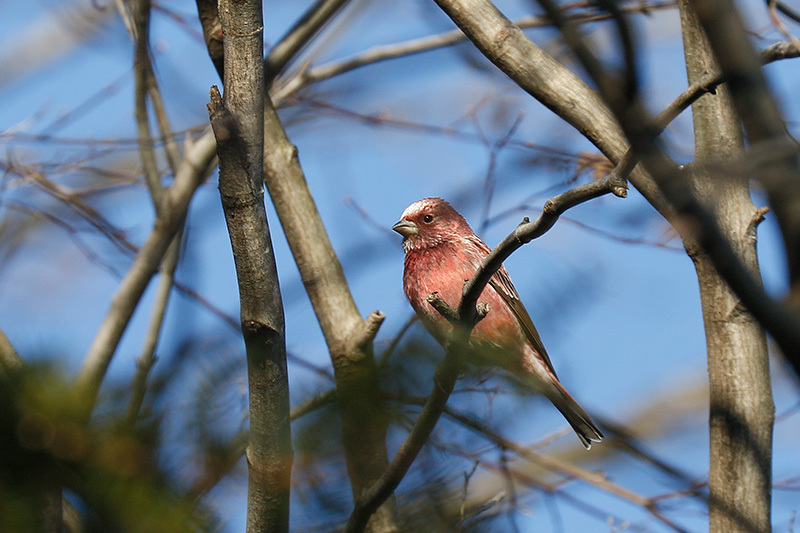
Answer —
(443, 270)
(438, 269)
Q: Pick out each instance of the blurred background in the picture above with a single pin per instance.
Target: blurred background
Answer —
(613, 295)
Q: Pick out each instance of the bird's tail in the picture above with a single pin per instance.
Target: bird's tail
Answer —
(580, 421)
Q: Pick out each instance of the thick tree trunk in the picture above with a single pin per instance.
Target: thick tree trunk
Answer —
(742, 412)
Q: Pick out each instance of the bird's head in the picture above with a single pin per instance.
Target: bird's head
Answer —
(429, 222)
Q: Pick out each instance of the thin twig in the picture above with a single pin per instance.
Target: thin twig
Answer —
(383, 359)
(141, 66)
(555, 464)
(170, 146)
(299, 36)
(527, 231)
(303, 76)
(368, 502)
(148, 357)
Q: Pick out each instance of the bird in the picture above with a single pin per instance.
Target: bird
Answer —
(441, 253)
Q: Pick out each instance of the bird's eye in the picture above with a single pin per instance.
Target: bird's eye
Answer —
(427, 219)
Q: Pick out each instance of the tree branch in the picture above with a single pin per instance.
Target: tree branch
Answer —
(140, 13)
(527, 231)
(303, 77)
(145, 84)
(299, 36)
(148, 356)
(145, 265)
(239, 128)
(363, 418)
(444, 379)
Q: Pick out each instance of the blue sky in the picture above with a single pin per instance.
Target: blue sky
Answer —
(621, 321)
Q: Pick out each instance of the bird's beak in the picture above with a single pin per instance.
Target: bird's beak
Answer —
(406, 228)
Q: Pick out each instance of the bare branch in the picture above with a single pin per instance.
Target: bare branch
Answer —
(304, 76)
(527, 231)
(146, 85)
(239, 128)
(364, 336)
(708, 82)
(126, 299)
(148, 356)
(142, 71)
(299, 36)
(358, 393)
(167, 135)
(389, 350)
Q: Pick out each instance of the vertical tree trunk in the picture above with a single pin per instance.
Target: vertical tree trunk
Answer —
(239, 128)
(742, 412)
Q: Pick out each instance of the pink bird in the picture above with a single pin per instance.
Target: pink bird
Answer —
(442, 252)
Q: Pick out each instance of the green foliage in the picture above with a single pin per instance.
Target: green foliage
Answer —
(109, 469)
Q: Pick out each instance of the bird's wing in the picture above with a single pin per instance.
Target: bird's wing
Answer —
(501, 283)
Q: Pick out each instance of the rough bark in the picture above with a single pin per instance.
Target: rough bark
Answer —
(742, 411)
(238, 126)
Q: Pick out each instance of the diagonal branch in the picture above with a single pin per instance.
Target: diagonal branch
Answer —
(148, 357)
(176, 200)
(527, 231)
(299, 36)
